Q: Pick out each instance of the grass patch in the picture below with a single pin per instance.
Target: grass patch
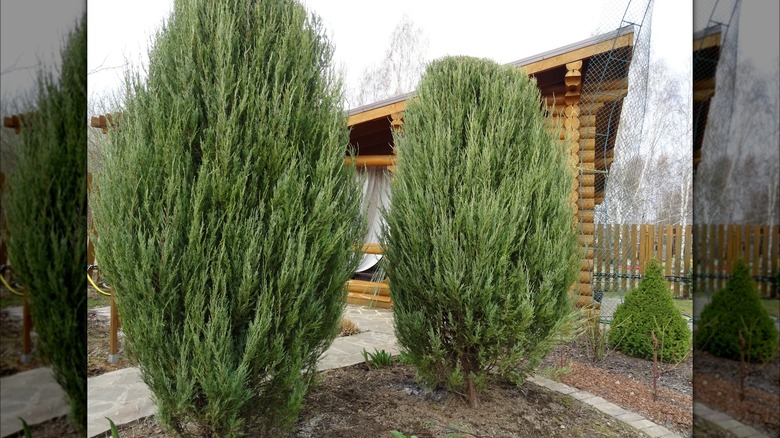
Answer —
(555, 372)
(772, 306)
(684, 306)
(96, 299)
(7, 299)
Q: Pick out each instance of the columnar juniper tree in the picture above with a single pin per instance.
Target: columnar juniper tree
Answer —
(480, 237)
(47, 217)
(226, 217)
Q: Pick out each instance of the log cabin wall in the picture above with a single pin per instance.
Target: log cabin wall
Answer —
(575, 119)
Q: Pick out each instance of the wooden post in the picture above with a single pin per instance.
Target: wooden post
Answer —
(667, 232)
(569, 134)
(113, 329)
(3, 247)
(26, 329)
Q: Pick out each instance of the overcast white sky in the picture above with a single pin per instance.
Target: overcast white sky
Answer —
(501, 30)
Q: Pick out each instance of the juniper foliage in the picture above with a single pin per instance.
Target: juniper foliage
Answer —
(226, 217)
(46, 217)
(480, 237)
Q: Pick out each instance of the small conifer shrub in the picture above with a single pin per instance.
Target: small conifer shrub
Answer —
(46, 217)
(480, 238)
(226, 216)
(650, 308)
(737, 308)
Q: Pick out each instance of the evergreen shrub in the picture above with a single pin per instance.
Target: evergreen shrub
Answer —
(737, 308)
(46, 217)
(650, 308)
(226, 216)
(480, 239)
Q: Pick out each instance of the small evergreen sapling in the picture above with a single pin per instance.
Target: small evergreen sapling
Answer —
(480, 238)
(226, 216)
(733, 310)
(650, 309)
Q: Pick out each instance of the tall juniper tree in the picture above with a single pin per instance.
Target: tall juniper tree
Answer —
(46, 219)
(226, 216)
(480, 237)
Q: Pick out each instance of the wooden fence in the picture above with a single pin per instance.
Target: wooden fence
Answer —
(704, 254)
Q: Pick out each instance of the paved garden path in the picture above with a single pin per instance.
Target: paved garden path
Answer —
(123, 397)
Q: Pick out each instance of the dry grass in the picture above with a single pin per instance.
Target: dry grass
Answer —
(348, 328)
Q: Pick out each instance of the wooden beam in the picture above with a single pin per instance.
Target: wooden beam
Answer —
(372, 248)
(382, 111)
(379, 302)
(368, 287)
(371, 160)
(575, 55)
(706, 42)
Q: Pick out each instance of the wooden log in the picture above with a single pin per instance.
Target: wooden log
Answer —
(575, 110)
(587, 191)
(588, 98)
(587, 228)
(380, 302)
(587, 215)
(368, 287)
(586, 179)
(371, 160)
(372, 248)
(584, 277)
(586, 264)
(585, 240)
(587, 301)
(586, 203)
(584, 289)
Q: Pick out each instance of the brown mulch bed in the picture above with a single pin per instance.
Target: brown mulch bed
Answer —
(671, 409)
(628, 382)
(717, 385)
(361, 402)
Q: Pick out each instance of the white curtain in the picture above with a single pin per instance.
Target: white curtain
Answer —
(376, 195)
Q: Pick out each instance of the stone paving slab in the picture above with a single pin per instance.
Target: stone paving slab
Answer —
(119, 395)
(726, 422)
(33, 395)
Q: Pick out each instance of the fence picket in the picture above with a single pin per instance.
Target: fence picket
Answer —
(625, 249)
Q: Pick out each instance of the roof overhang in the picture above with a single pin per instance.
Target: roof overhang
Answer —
(556, 58)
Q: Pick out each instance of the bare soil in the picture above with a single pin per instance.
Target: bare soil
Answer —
(11, 347)
(360, 402)
(57, 427)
